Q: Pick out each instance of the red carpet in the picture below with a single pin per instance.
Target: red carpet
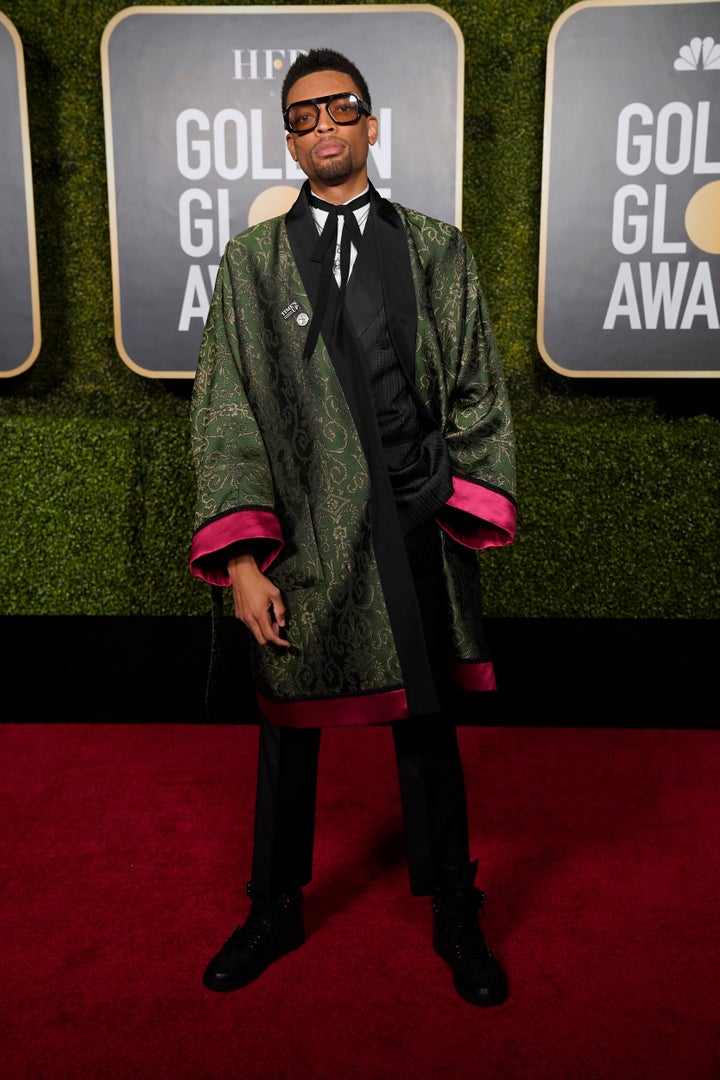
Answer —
(124, 854)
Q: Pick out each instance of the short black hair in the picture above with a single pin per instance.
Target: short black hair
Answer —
(323, 60)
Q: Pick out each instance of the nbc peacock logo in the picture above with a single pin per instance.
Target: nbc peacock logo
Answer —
(702, 54)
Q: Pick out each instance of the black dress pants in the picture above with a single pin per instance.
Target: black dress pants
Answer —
(430, 773)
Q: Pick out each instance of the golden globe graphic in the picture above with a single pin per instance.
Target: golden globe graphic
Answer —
(271, 202)
(702, 218)
(629, 271)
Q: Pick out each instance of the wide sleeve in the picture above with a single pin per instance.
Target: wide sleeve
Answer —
(235, 495)
(478, 430)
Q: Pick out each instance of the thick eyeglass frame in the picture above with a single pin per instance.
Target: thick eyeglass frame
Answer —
(363, 107)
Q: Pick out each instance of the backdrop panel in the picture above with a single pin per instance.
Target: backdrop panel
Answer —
(196, 149)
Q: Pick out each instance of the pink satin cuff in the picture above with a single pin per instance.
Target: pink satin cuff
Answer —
(495, 513)
(231, 529)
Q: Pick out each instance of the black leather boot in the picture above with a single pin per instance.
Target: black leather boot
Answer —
(273, 928)
(457, 907)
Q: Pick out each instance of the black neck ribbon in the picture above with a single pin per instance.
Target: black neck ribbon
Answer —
(324, 253)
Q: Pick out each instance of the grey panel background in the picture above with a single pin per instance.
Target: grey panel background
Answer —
(605, 58)
(17, 317)
(161, 62)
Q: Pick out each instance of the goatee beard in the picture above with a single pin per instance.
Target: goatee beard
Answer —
(338, 169)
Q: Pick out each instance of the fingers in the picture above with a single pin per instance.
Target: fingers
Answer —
(276, 612)
(268, 626)
(273, 626)
(258, 603)
(267, 631)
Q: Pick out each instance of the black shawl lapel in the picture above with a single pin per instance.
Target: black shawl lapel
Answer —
(303, 236)
(397, 281)
(399, 295)
(364, 298)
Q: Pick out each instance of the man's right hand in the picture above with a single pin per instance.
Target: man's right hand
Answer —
(258, 603)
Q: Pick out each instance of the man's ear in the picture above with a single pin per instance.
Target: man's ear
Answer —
(291, 146)
(372, 126)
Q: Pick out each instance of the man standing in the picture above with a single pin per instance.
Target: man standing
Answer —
(354, 450)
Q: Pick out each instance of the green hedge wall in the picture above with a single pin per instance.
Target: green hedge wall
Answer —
(97, 518)
(618, 479)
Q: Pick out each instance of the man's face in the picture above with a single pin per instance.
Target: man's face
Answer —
(331, 154)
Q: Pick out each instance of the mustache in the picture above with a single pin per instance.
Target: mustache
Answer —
(328, 140)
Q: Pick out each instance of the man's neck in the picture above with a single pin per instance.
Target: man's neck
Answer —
(338, 194)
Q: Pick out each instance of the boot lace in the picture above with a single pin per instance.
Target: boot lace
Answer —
(462, 926)
(259, 925)
(249, 935)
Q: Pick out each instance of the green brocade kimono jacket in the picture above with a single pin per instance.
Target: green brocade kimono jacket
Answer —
(278, 451)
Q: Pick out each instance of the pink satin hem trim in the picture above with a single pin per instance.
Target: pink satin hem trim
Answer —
(368, 708)
(498, 514)
(336, 712)
(240, 525)
(473, 677)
